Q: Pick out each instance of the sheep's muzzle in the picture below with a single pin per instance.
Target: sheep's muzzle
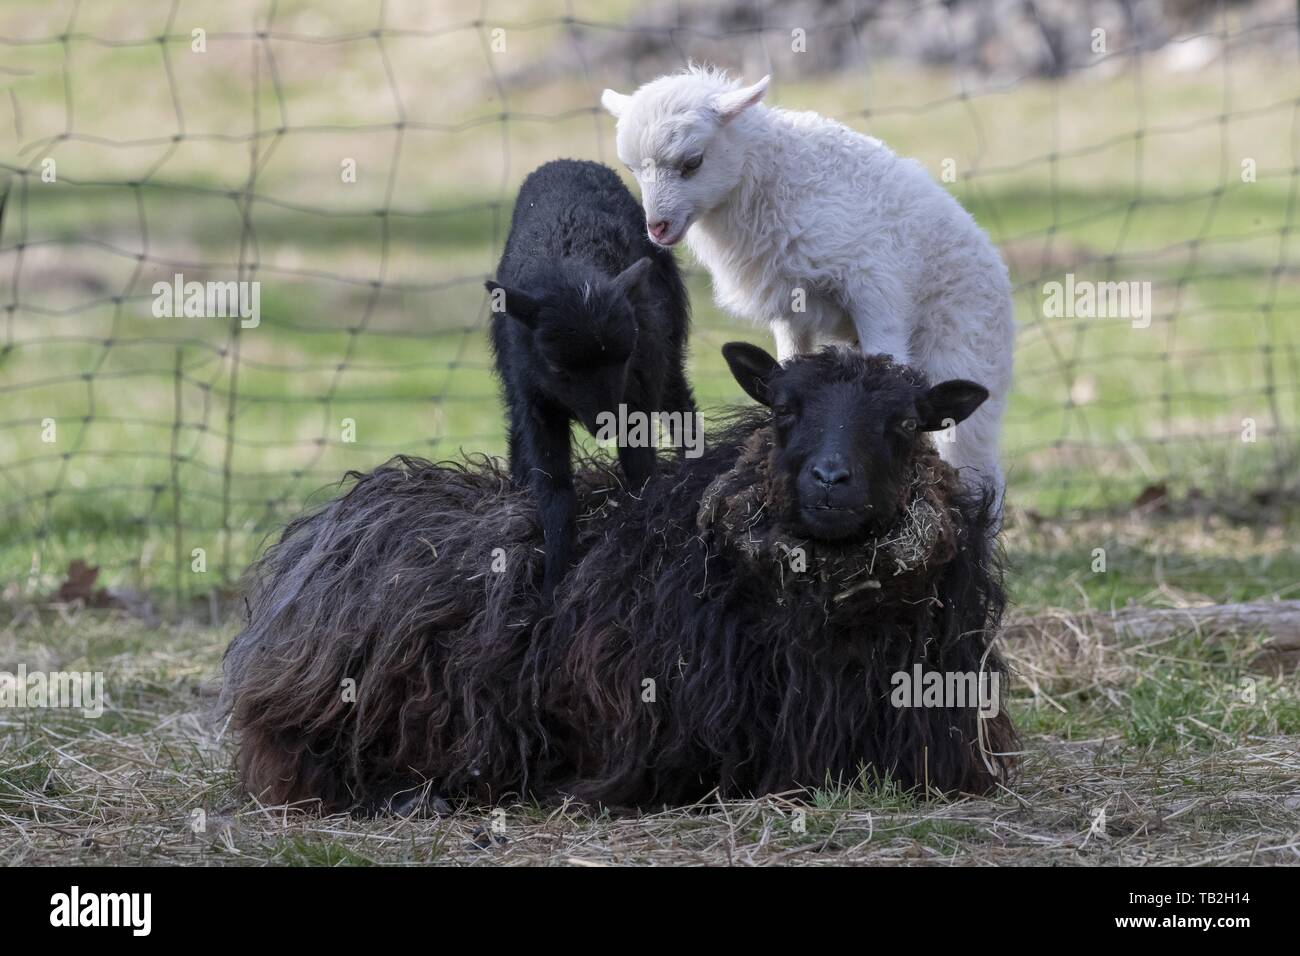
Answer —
(744, 511)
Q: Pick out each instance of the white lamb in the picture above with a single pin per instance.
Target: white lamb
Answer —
(824, 233)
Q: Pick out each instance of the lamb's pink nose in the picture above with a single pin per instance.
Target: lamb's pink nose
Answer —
(659, 229)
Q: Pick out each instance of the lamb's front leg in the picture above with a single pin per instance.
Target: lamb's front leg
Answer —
(879, 313)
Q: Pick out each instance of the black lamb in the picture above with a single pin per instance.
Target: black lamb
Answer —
(588, 315)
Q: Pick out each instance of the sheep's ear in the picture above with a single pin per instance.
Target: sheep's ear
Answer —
(949, 403)
(730, 105)
(753, 369)
(631, 277)
(516, 304)
(614, 102)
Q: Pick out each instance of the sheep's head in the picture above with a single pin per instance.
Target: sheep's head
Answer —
(678, 137)
(580, 332)
(848, 431)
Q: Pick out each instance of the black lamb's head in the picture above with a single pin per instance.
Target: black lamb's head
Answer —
(848, 430)
(580, 330)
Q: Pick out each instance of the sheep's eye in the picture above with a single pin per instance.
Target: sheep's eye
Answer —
(692, 164)
(908, 424)
(783, 411)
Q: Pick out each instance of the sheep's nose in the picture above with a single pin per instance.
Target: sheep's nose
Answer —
(659, 229)
(830, 472)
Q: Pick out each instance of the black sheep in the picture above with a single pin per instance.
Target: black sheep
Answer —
(739, 626)
(588, 315)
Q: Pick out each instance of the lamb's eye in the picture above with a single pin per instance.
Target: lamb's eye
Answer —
(783, 411)
(908, 424)
(692, 164)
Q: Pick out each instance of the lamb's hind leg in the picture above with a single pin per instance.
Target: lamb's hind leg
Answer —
(972, 448)
(545, 460)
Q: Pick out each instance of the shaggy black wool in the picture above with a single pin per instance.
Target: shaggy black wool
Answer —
(396, 637)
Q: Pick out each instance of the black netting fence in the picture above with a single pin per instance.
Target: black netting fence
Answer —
(341, 177)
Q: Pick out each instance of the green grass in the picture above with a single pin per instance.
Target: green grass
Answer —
(1204, 558)
(1202, 700)
(299, 851)
(1185, 695)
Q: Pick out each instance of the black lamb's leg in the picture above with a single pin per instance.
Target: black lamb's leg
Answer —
(517, 457)
(682, 400)
(639, 462)
(639, 466)
(551, 478)
(559, 506)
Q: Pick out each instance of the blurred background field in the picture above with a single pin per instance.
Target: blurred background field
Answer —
(1171, 157)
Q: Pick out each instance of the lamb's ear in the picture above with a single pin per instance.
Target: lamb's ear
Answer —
(516, 304)
(753, 369)
(614, 102)
(949, 403)
(730, 105)
(631, 277)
